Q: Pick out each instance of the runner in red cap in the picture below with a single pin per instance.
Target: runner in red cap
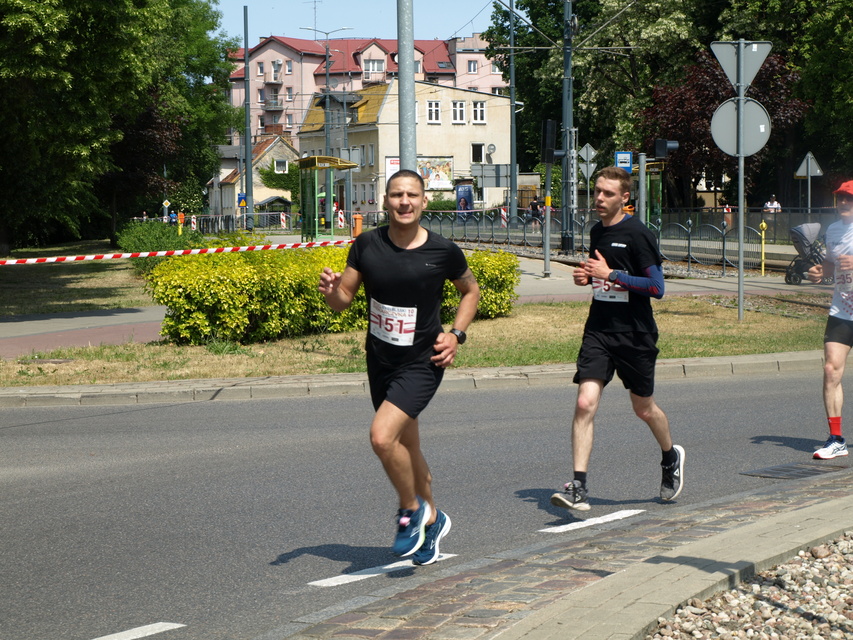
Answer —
(838, 337)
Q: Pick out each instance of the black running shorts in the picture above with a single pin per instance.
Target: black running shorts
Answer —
(409, 387)
(631, 355)
(838, 330)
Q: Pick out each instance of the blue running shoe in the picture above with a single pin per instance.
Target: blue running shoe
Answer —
(428, 553)
(410, 529)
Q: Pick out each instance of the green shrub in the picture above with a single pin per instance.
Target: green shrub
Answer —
(138, 237)
(255, 296)
(442, 204)
(498, 275)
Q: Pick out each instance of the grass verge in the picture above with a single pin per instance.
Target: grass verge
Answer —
(534, 334)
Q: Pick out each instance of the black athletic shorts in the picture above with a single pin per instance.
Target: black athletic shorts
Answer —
(632, 355)
(838, 330)
(409, 387)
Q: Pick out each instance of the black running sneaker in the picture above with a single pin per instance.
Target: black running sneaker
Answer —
(573, 496)
(672, 479)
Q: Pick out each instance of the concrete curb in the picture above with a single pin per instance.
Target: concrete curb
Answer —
(281, 387)
(656, 587)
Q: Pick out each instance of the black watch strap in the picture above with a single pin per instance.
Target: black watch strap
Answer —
(460, 335)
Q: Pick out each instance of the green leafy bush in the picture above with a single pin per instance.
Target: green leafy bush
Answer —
(264, 295)
(498, 275)
(138, 237)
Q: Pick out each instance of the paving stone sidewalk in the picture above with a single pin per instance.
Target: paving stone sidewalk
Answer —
(491, 597)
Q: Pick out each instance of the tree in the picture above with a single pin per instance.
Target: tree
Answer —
(185, 116)
(77, 77)
(66, 66)
(826, 54)
(683, 111)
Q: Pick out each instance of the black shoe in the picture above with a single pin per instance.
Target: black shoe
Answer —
(574, 496)
(673, 476)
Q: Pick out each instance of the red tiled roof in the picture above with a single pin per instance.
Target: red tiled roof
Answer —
(344, 53)
(433, 52)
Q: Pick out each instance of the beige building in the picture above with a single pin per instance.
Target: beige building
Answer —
(460, 134)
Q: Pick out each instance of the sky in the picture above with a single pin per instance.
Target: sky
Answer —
(440, 19)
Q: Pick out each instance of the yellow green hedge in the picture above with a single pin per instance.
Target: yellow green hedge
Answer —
(264, 295)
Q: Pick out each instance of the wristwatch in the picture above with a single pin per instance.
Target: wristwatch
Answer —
(460, 335)
(612, 276)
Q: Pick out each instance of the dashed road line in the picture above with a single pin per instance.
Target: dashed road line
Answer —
(142, 632)
(591, 522)
(370, 573)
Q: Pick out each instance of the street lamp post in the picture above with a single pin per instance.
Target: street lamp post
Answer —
(327, 121)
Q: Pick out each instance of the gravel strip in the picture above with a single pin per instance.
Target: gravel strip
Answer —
(808, 598)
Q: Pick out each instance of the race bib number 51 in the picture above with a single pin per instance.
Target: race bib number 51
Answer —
(394, 325)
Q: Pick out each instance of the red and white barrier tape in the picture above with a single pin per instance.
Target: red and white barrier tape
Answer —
(177, 252)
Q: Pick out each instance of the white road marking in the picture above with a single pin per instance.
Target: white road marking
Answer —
(369, 573)
(590, 522)
(142, 632)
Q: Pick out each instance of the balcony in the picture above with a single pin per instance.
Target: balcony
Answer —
(272, 77)
(273, 104)
(373, 77)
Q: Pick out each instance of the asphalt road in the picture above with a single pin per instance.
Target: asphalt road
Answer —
(217, 516)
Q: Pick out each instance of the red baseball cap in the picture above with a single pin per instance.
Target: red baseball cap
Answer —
(846, 187)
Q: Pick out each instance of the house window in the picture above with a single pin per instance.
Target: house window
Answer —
(371, 155)
(281, 166)
(473, 88)
(496, 68)
(260, 96)
(472, 66)
(374, 69)
(458, 112)
(498, 91)
(288, 94)
(417, 66)
(260, 123)
(478, 112)
(260, 68)
(477, 149)
(433, 112)
(363, 158)
(288, 120)
(288, 67)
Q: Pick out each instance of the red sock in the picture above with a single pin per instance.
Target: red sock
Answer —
(835, 426)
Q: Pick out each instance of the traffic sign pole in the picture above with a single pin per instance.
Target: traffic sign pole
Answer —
(741, 65)
(741, 91)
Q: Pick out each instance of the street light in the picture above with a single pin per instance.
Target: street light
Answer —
(326, 121)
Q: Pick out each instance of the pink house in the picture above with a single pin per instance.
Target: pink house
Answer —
(285, 73)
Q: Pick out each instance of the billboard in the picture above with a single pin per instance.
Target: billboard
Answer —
(437, 171)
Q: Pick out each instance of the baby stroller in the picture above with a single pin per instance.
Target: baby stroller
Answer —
(809, 252)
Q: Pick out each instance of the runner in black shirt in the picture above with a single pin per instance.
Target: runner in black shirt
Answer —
(624, 269)
(403, 267)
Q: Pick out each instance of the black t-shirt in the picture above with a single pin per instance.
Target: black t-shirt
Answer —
(630, 247)
(404, 292)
